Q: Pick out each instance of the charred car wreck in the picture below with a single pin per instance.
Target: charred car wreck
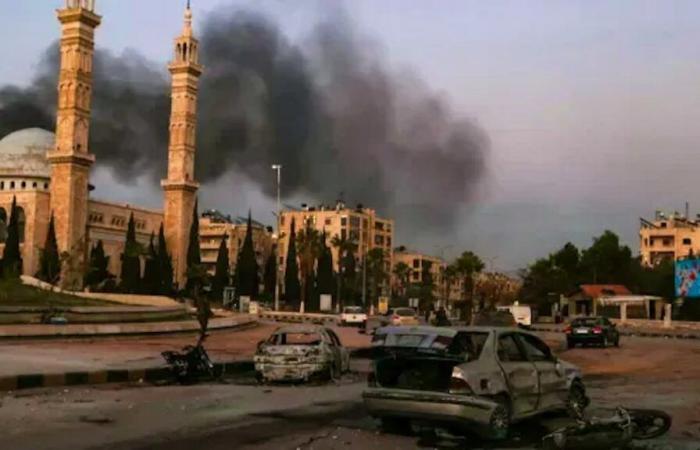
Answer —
(301, 353)
(478, 379)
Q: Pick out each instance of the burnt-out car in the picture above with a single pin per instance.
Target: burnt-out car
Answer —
(301, 353)
(478, 379)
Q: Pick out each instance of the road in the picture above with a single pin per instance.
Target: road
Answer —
(644, 372)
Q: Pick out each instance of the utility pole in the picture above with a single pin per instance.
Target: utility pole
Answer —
(278, 168)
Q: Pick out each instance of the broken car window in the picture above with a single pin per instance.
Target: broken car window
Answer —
(508, 349)
(295, 339)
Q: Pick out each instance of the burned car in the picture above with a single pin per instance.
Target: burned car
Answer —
(478, 379)
(301, 353)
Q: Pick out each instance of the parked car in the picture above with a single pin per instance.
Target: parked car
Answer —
(478, 379)
(301, 353)
(353, 315)
(592, 330)
(400, 316)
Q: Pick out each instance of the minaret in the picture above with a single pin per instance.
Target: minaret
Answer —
(71, 159)
(180, 188)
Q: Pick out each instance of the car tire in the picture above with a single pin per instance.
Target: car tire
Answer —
(395, 425)
(501, 416)
(576, 401)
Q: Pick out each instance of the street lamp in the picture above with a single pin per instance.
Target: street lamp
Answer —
(278, 168)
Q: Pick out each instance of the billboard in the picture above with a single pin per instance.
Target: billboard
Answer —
(687, 278)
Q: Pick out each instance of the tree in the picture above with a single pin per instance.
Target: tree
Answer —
(426, 287)
(325, 279)
(12, 257)
(98, 271)
(606, 261)
(270, 274)
(402, 274)
(50, 263)
(292, 288)
(247, 271)
(376, 272)
(468, 264)
(194, 257)
(165, 264)
(131, 261)
(309, 250)
(347, 278)
(151, 276)
(221, 275)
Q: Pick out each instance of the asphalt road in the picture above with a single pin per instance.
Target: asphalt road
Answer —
(652, 373)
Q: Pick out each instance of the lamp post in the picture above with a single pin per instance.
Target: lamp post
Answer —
(278, 168)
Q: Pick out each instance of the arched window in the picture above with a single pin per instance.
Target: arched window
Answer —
(3, 225)
(21, 221)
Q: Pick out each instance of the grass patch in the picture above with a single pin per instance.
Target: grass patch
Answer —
(14, 293)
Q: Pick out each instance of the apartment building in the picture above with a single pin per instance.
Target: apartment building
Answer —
(214, 226)
(668, 236)
(360, 225)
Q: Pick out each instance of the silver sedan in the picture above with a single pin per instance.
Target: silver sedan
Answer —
(472, 378)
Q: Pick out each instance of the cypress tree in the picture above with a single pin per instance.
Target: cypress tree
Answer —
(325, 282)
(194, 257)
(131, 262)
(221, 275)
(165, 265)
(292, 287)
(50, 262)
(350, 279)
(12, 258)
(98, 271)
(151, 275)
(248, 281)
(270, 275)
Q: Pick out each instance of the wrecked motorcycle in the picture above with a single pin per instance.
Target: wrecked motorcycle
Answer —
(617, 431)
(190, 364)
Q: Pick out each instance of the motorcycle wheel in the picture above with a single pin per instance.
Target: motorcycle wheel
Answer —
(649, 423)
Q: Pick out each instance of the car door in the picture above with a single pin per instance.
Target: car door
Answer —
(342, 357)
(553, 387)
(520, 373)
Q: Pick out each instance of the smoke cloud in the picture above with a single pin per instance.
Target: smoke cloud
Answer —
(330, 111)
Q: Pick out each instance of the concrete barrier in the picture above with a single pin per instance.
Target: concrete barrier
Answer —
(295, 317)
(92, 314)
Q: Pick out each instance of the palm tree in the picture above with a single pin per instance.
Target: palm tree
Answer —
(402, 272)
(377, 273)
(309, 250)
(449, 276)
(346, 268)
(467, 265)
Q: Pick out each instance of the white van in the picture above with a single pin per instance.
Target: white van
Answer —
(521, 313)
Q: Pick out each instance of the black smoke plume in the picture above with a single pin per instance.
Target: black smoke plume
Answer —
(330, 111)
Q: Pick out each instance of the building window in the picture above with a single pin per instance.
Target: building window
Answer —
(686, 241)
(343, 221)
(23, 184)
(46, 185)
(343, 234)
(12, 184)
(416, 276)
(2, 185)
(34, 185)
(666, 242)
(646, 241)
(662, 224)
(388, 242)
(328, 221)
(416, 263)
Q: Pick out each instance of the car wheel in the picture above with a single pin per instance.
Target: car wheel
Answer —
(395, 425)
(500, 418)
(577, 401)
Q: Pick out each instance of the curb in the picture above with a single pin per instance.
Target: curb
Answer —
(33, 332)
(150, 374)
(651, 334)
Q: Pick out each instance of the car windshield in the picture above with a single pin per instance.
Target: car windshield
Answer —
(295, 338)
(353, 310)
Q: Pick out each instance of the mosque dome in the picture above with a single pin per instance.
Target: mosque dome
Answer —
(23, 153)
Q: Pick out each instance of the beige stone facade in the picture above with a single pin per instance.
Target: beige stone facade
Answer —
(213, 230)
(361, 225)
(668, 236)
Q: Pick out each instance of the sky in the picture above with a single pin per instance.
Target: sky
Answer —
(592, 107)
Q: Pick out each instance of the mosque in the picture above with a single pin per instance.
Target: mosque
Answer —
(48, 173)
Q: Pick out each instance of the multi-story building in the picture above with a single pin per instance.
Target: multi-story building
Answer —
(360, 225)
(214, 226)
(668, 236)
(417, 262)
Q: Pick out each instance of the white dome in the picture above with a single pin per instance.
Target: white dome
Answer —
(23, 153)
